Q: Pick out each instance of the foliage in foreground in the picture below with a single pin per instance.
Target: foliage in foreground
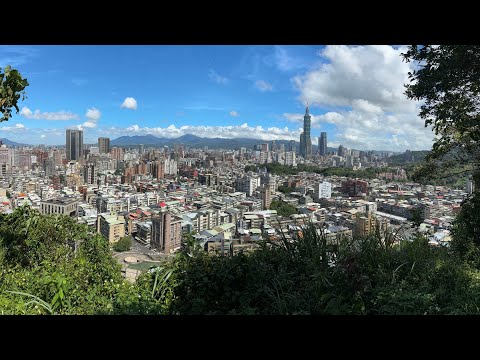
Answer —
(51, 265)
(12, 87)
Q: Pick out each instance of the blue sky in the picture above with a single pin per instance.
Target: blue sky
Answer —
(355, 92)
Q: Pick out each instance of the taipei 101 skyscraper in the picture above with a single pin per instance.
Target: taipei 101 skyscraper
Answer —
(305, 138)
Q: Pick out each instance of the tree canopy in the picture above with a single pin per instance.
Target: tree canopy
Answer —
(447, 81)
(12, 87)
(124, 244)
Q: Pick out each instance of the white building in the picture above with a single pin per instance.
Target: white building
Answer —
(247, 184)
(323, 190)
(290, 158)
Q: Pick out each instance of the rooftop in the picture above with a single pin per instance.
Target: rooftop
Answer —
(61, 201)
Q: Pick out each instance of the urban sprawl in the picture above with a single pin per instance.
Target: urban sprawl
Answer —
(157, 195)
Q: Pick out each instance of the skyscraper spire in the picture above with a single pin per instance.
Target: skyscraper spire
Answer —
(307, 110)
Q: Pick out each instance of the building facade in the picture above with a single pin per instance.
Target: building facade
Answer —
(90, 174)
(166, 232)
(62, 206)
(323, 190)
(74, 144)
(111, 227)
(104, 145)
(322, 144)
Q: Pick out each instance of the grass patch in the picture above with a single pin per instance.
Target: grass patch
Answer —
(143, 266)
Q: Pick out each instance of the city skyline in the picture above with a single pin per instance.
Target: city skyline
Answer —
(355, 94)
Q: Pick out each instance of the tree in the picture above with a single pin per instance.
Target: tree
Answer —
(124, 244)
(447, 80)
(417, 216)
(12, 86)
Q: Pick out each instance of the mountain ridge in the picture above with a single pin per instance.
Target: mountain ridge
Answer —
(8, 142)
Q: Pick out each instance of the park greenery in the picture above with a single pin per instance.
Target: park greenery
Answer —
(283, 209)
(124, 244)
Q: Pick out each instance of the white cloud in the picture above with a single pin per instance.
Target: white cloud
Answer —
(364, 88)
(219, 79)
(89, 124)
(234, 113)
(93, 114)
(374, 74)
(226, 132)
(298, 118)
(373, 131)
(263, 86)
(38, 115)
(129, 103)
(17, 127)
(43, 136)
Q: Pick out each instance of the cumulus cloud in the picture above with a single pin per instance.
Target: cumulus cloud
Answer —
(298, 118)
(89, 124)
(38, 115)
(129, 103)
(374, 74)
(93, 114)
(215, 77)
(226, 132)
(364, 88)
(234, 113)
(263, 86)
(373, 130)
(17, 127)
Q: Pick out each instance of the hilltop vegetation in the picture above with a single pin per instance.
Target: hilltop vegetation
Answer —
(418, 156)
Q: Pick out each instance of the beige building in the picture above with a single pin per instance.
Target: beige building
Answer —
(63, 206)
(111, 227)
(368, 224)
(266, 196)
(166, 232)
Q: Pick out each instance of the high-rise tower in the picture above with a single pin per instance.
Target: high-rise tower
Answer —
(306, 144)
(322, 144)
(74, 144)
(104, 145)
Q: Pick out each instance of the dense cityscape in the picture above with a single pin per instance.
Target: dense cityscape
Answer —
(156, 195)
(351, 189)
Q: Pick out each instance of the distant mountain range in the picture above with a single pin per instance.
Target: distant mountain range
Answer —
(200, 142)
(196, 142)
(193, 142)
(10, 142)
